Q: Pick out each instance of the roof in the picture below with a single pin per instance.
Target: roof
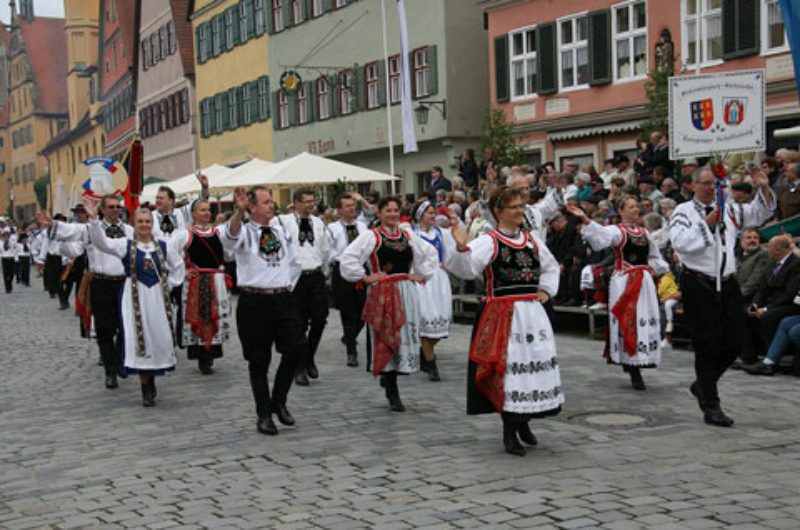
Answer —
(46, 46)
(611, 128)
(184, 34)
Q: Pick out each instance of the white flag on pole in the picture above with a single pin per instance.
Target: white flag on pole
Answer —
(409, 136)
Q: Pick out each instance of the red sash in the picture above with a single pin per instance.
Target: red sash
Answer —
(383, 310)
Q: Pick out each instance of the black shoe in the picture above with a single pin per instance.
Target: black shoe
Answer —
(759, 369)
(511, 442)
(433, 371)
(300, 378)
(424, 365)
(312, 371)
(525, 434)
(206, 370)
(572, 303)
(148, 396)
(352, 359)
(266, 426)
(284, 416)
(715, 416)
(396, 404)
(636, 378)
(694, 388)
(63, 307)
(393, 394)
(111, 381)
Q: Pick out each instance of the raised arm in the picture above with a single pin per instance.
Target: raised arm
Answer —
(116, 247)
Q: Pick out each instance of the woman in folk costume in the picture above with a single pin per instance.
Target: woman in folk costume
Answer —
(145, 309)
(435, 295)
(634, 331)
(392, 308)
(512, 358)
(204, 322)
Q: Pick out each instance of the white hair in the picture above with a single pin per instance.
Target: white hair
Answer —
(513, 176)
(584, 177)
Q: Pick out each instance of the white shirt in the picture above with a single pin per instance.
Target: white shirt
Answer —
(181, 218)
(337, 235)
(693, 240)
(352, 261)
(99, 261)
(538, 214)
(310, 255)
(257, 269)
(12, 251)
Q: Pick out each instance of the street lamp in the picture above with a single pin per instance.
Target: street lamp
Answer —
(423, 109)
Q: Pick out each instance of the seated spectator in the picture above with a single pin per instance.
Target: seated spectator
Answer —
(669, 295)
(617, 184)
(659, 174)
(751, 265)
(666, 207)
(648, 190)
(786, 336)
(608, 173)
(658, 230)
(771, 167)
(774, 297)
(742, 192)
(582, 181)
(457, 182)
(566, 245)
(624, 171)
(687, 189)
(647, 206)
(789, 196)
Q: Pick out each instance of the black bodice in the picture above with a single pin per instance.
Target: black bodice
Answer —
(514, 270)
(205, 251)
(393, 255)
(635, 250)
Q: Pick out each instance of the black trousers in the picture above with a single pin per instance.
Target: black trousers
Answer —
(717, 325)
(262, 320)
(312, 306)
(24, 270)
(9, 267)
(52, 273)
(104, 296)
(350, 302)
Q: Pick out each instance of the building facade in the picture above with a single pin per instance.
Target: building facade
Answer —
(339, 110)
(231, 81)
(85, 136)
(119, 28)
(165, 90)
(38, 101)
(571, 76)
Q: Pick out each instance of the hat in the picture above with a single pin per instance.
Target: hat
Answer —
(743, 186)
(78, 208)
(690, 162)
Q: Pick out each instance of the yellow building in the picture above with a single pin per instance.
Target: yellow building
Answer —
(6, 182)
(84, 137)
(38, 100)
(232, 84)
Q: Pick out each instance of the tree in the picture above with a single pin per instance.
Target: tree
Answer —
(40, 189)
(498, 136)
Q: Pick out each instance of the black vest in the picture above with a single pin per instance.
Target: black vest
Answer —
(393, 254)
(514, 270)
(204, 251)
(634, 249)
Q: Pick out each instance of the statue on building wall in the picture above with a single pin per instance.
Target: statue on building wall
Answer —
(665, 53)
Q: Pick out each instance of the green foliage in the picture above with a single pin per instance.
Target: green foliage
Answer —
(40, 189)
(657, 92)
(498, 136)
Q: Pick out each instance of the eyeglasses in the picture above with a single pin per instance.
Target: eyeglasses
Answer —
(109, 207)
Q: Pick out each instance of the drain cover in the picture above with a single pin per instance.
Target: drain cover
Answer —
(614, 419)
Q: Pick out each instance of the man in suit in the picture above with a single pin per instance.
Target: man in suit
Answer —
(774, 298)
(789, 196)
(751, 264)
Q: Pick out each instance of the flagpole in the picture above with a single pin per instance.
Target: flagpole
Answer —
(388, 96)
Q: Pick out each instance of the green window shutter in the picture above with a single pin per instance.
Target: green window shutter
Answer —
(217, 34)
(327, 5)
(234, 14)
(253, 88)
(209, 44)
(222, 104)
(251, 18)
(501, 67)
(260, 15)
(599, 47)
(212, 115)
(333, 88)
(740, 28)
(358, 88)
(244, 24)
(382, 82)
(311, 94)
(199, 44)
(270, 19)
(547, 65)
(291, 99)
(276, 123)
(203, 120)
(307, 9)
(433, 70)
(287, 14)
(233, 108)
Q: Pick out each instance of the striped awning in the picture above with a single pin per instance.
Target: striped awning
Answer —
(611, 128)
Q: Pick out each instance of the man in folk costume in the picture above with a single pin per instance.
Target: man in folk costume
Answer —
(312, 300)
(350, 297)
(267, 272)
(76, 252)
(107, 277)
(53, 260)
(716, 318)
(9, 252)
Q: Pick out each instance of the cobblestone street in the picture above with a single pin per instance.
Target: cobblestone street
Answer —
(75, 455)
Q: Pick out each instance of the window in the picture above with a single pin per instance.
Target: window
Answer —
(345, 94)
(163, 112)
(162, 40)
(277, 16)
(773, 32)
(323, 99)
(233, 107)
(420, 72)
(155, 49)
(143, 123)
(710, 14)
(302, 105)
(229, 43)
(283, 110)
(316, 8)
(340, 3)
(260, 19)
(185, 116)
(630, 40)
(523, 62)
(205, 119)
(202, 39)
(263, 98)
(219, 109)
(297, 12)
(394, 79)
(145, 55)
(171, 42)
(371, 79)
(216, 38)
(247, 117)
(573, 49)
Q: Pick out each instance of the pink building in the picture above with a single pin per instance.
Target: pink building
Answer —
(570, 75)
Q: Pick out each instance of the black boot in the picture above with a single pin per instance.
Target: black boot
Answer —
(389, 383)
(636, 378)
(510, 440)
(148, 400)
(433, 371)
(311, 369)
(525, 434)
(423, 362)
(153, 390)
(205, 366)
(300, 377)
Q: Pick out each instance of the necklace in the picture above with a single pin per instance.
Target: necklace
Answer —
(507, 233)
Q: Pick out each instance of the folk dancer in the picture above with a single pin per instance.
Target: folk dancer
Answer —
(311, 295)
(24, 261)
(350, 297)
(107, 275)
(634, 323)
(205, 302)
(10, 251)
(145, 310)
(512, 359)
(716, 319)
(392, 309)
(53, 260)
(267, 272)
(436, 294)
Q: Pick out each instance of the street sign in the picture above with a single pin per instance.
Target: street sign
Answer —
(716, 114)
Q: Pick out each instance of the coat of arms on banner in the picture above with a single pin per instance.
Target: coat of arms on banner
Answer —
(103, 176)
(733, 110)
(702, 113)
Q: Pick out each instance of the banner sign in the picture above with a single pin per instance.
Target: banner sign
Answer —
(716, 114)
(102, 176)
